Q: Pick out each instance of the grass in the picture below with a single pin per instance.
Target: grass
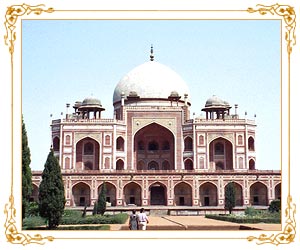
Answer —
(73, 220)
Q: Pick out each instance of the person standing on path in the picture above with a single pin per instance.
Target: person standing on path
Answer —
(133, 221)
(143, 219)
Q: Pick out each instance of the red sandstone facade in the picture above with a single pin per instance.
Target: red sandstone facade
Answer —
(153, 153)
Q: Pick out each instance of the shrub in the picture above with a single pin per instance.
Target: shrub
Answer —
(71, 213)
(251, 211)
(32, 222)
(102, 227)
(32, 209)
(275, 206)
(74, 217)
(96, 219)
(245, 219)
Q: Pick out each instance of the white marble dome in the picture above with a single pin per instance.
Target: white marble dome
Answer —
(151, 80)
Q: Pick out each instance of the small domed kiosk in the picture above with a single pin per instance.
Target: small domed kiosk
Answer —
(216, 108)
(90, 108)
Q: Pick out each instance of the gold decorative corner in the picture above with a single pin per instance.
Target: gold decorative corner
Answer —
(289, 232)
(11, 17)
(289, 17)
(11, 231)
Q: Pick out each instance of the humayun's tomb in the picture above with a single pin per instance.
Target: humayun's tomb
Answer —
(152, 153)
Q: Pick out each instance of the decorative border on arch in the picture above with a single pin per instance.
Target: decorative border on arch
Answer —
(226, 136)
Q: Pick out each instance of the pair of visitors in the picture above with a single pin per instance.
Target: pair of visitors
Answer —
(138, 222)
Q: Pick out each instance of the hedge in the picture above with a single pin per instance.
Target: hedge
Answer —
(102, 227)
(96, 219)
(75, 218)
(245, 220)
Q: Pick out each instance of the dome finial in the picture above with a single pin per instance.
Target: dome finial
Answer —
(151, 55)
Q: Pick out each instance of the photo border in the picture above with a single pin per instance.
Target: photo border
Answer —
(285, 12)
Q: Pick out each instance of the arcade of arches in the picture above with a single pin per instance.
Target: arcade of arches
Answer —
(159, 194)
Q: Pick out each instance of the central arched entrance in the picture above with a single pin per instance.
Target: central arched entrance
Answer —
(183, 194)
(154, 148)
(157, 194)
(132, 194)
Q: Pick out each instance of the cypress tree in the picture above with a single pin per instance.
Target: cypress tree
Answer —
(26, 171)
(51, 192)
(101, 206)
(229, 197)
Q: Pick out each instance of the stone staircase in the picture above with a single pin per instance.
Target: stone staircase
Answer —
(158, 212)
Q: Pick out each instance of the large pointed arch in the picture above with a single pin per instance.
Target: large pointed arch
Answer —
(111, 192)
(208, 194)
(133, 194)
(87, 154)
(81, 194)
(158, 194)
(278, 191)
(183, 194)
(154, 143)
(238, 194)
(259, 194)
(221, 154)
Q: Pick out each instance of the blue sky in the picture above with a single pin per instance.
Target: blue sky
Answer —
(66, 61)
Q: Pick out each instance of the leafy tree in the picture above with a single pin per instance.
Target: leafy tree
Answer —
(26, 171)
(101, 203)
(51, 192)
(230, 197)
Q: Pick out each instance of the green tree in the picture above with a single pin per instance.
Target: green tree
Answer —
(26, 171)
(101, 203)
(275, 206)
(229, 197)
(51, 192)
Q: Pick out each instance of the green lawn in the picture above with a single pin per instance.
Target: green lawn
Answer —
(73, 220)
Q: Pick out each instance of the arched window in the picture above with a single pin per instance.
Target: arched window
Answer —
(188, 144)
(153, 165)
(120, 144)
(201, 140)
(201, 164)
(120, 164)
(241, 162)
(219, 148)
(240, 140)
(251, 143)
(67, 163)
(188, 164)
(88, 148)
(107, 163)
(252, 164)
(153, 145)
(68, 140)
(56, 144)
(107, 140)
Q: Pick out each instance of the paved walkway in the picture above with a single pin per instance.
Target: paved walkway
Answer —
(197, 223)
